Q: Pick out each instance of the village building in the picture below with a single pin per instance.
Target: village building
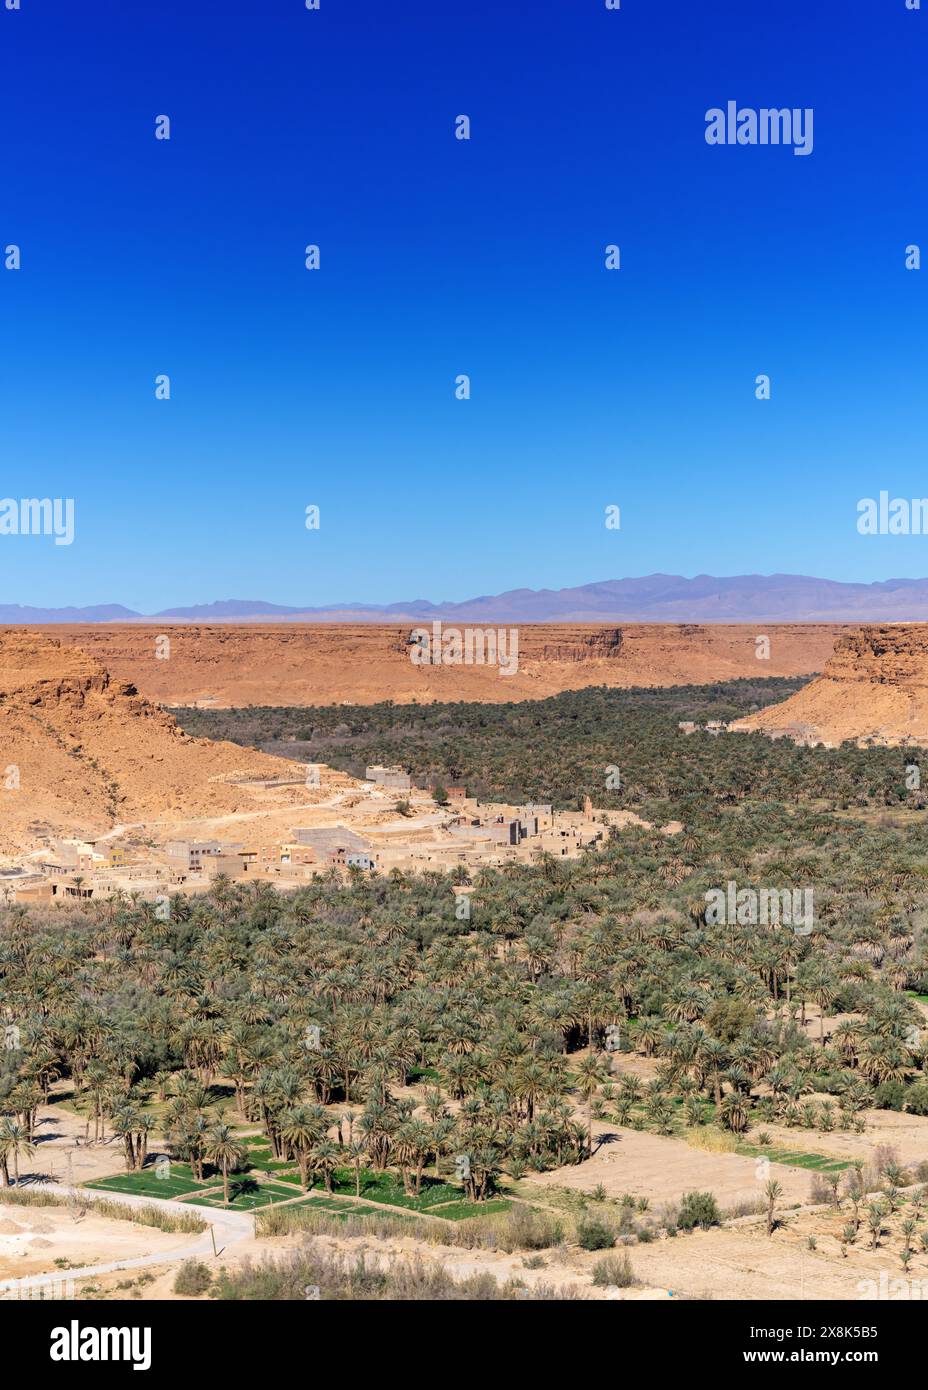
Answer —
(227, 864)
(192, 853)
(267, 856)
(392, 777)
(360, 860)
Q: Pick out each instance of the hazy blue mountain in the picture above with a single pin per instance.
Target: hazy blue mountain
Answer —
(657, 598)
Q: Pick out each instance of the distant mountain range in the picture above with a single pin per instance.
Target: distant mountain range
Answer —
(656, 598)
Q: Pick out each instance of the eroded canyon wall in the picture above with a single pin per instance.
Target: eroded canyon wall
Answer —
(295, 664)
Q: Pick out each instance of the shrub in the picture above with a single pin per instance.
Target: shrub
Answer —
(193, 1278)
(728, 1017)
(614, 1271)
(525, 1229)
(595, 1233)
(341, 1277)
(916, 1098)
(831, 1083)
(698, 1209)
(889, 1095)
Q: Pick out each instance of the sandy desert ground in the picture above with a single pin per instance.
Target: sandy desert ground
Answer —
(663, 1169)
(32, 1239)
(738, 1261)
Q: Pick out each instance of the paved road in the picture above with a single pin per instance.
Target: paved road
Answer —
(229, 1227)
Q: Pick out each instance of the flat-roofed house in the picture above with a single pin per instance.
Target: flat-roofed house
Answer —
(360, 860)
(192, 853)
(393, 777)
(230, 864)
(270, 856)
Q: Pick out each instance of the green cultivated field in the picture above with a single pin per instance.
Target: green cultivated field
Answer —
(436, 1198)
(243, 1196)
(148, 1184)
(796, 1158)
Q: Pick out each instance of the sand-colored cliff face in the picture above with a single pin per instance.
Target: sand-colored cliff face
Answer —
(80, 752)
(874, 687)
(297, 664)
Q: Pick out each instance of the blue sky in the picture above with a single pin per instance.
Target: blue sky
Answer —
(441, 257)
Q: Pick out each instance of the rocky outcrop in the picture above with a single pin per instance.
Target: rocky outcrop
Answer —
(603, 644)
(304, 664)
(873, 689)
(81, 752)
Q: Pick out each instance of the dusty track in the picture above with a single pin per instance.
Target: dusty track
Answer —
(229, 1227)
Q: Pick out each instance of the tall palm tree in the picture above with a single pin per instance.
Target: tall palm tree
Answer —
(734, 1112)
(224, 1151)
(14, 1143)
(591, 1074)
(324, 1158)
(302, 1129)
(356, 1152)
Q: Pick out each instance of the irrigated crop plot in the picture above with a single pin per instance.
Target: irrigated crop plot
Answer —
(150, 1183)
(243, 1196)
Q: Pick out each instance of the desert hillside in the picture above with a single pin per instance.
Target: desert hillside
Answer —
(874, 687)
(82, 751)
(297, 664)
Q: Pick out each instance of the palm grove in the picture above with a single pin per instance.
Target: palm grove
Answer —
(364, 1027)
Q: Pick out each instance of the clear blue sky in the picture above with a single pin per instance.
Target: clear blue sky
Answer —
(442, 257)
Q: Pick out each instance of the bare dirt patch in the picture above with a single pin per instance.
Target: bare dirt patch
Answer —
(663, 1169)
(47, 1234)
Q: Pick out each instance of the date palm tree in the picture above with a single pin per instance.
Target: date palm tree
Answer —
(324, 1158)
(734, 1112)
(14, 1143)
(875, 1216)
(301, 1130)
(356, 1153)
(591, 1074)
(226, 1152)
